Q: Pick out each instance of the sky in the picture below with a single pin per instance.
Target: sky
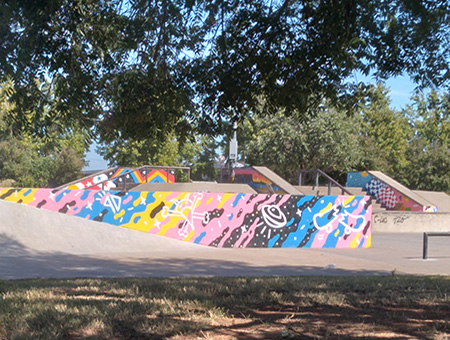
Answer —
(401, 89)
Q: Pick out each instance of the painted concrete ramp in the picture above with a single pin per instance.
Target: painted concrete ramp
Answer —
(400, 187)
(36, 230)
(277, 180)
(101, 172)
(439, 199)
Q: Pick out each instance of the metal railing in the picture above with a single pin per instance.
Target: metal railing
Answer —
(89, 177)
(425, 240)
(317, 173)
(126, 182)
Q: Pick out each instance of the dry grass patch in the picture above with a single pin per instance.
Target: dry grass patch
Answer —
(227, 308)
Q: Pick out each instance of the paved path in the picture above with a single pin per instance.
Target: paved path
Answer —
(37, 243)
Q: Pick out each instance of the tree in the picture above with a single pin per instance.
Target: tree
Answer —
(328, 141)
(201, 156)
(429, 116)
(429, 167)
(385, 133)
(150, 68)
(134, 152)
(198, 153)
(30, 160)
(429, 149)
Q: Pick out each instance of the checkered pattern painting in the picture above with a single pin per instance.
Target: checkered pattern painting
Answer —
(387, 197)
(383, 193)
(374, 187)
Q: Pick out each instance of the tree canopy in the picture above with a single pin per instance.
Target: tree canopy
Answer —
(146, 68)
(30, 160)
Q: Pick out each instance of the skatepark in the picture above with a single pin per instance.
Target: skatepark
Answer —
(40, 243)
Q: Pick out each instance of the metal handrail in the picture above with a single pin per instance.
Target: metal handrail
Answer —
(65, 185)
(142, 168)
(318, 173)
(425, 240)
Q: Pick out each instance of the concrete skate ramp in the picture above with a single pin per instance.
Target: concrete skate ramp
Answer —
(277, 180)
(439, 199)
(24, 227)
(400, 188)
(196, 187)
(38, 243)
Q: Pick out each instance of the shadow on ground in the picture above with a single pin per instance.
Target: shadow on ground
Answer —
(18, 262)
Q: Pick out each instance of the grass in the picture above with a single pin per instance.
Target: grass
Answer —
(399, 307)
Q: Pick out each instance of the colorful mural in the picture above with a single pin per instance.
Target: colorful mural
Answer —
(116, 177)
(257, 181)
(358, 179)
(94, 182)
(386, 195)
(218, 220)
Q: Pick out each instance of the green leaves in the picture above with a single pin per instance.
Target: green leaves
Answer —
(53, 155)
(328, 141)
(165, 62)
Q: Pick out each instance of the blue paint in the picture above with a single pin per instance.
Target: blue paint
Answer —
(85, 194)
(290, 222)
(236, 201)
(136, 219)
(134, 177)
(60, 196)
(150, 198)
(291, 241)
(363, 240)
(273, 240)
(29, 191)
(199, 238)
(333, 240)
(303, 200)
(230, 218)
(357, 180)
(295, 238)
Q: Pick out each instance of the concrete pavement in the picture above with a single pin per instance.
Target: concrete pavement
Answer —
(38, 243)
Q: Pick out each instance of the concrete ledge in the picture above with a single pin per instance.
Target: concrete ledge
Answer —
(407, 222)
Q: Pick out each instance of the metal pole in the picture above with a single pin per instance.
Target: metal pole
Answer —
(317, 179)
(329, 188)
(300, 179)
(425, 246)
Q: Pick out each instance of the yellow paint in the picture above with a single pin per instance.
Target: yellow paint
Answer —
(19, 195)
(326, 209)
(348, 200)
(136, 226)
(172, 223)
(354, 243)
(209, 201)
(142, 197)
(188, 238)
(145, 215)
(369, 241)
(364, 173)
(336, 233)
(225, 198)
(119, 214)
